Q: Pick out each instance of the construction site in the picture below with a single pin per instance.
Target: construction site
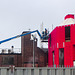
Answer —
(57, 59)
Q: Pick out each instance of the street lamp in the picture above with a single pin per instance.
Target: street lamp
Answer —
(34, 38)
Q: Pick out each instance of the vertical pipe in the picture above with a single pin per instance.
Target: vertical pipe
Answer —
(33, 53)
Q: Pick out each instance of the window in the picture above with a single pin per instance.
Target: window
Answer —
(7, 60)
(67, 33)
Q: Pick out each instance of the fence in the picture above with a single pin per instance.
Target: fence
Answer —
(37, 71)
(5, 71)
(44, 71)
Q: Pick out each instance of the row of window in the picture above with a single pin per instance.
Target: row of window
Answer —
(6, 60)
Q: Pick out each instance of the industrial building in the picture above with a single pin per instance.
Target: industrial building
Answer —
(61, 48)
(61, 44)
(25, 58)
(27, 46)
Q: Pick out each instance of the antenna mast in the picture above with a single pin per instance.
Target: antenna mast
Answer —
(52, 26)
(41, 29)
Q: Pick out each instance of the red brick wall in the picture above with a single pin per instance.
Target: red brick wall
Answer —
(17, 59)
(27, 53)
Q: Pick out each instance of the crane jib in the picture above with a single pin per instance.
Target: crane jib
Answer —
(23, 35)
(20, 36)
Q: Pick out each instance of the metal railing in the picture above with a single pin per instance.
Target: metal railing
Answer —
(7, 50)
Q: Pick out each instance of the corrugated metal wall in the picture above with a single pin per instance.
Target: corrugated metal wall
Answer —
(44, 71)
(5, 71)
(37, 71)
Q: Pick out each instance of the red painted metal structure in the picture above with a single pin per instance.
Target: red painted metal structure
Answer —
(61, 45)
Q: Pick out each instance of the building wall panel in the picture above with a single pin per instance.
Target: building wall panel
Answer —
(58, 38)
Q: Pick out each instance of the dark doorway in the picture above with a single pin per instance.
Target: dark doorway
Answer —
(61, 57)
(74, 55)
(53, 57)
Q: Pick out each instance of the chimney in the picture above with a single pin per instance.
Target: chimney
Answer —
(3, 51)
(9, 50)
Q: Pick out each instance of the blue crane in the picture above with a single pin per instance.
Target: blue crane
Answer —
(41, 37)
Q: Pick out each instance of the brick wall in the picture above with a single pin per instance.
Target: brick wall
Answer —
(27, 53)
(16, 60)
(25, 59)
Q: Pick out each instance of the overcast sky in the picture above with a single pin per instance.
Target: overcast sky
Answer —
(17, 16)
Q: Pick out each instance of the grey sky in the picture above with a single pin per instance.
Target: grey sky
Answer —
(17, 16)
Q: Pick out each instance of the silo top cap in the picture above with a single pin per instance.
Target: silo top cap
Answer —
(69, 16)
(69, 19)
